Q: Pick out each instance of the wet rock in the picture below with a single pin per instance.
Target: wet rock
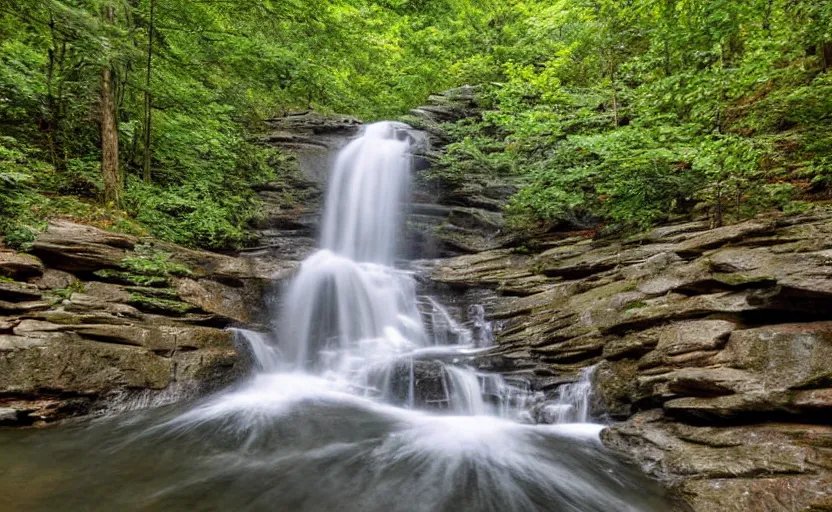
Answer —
(448, 106)
(759, 494)
(43, 371)
(783, 356)
(420, 383)
(11, 308)
(686, 343)
(216, 298)
(743, 468)
(8, 416)
(614, 384)
(105, 292)
(701, 338)
(7, 324)
(84, 329)
(82, 303)
(53, 279)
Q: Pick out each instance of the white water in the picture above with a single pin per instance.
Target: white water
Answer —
(572, 405)
(351, 317)
(366, 192)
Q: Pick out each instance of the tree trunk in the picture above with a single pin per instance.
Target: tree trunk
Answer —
(614, 95)
(109, 131)
(148, 99)
(717, 223)
(826, 49)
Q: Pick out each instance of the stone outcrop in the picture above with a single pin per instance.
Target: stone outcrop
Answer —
(445, 219)
(91, 314)
(288, 226)
(461, 217)
(712, 349)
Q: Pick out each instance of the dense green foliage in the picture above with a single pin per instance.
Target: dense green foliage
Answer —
(629, 112)
(623, 113)
(217, 70)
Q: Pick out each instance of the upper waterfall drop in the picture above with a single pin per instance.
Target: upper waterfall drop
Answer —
(368, 186)
(348, 310)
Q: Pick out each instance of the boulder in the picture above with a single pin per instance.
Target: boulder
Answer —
(19, 266)
(721, 236)
(18, 292)
(216, 298)
(757, 468)
(53, 279)
(46, 367)
(783, 356)
(76, 247)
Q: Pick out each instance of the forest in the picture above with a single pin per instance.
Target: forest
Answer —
(143, 116)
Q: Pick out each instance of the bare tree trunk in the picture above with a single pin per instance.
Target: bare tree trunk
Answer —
(767, 17)
(50, 74)
(614, 95)
(109, 131)
(826, 49)
(148, 98)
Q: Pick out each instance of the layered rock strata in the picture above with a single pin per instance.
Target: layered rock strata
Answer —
(712, 349)
(90, 316)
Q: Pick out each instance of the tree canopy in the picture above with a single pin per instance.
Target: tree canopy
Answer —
(620, 112)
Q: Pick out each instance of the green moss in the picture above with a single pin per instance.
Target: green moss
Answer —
(742, 279)
(148, 261)
(119, 277)
(157, 305)
(65, 293)
(158, 293)
(635, 305)
(632, 286)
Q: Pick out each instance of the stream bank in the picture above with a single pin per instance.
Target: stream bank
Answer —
(92, 320)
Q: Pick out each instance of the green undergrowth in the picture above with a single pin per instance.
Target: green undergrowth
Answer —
(65, 293)
(146, 260)
(152, 304)
(621, 116)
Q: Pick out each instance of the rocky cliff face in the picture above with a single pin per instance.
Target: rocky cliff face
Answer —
(445, 219)
(92, 318)
(711, 348)
(453, 218)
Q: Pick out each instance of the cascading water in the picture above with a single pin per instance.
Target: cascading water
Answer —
(330, 420)
(572, 405)
(353, 318)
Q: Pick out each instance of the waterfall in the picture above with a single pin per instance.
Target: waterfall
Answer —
(350, 315)
(573, 402)
(483, 332)
(366, 193)
(464, 391)
(265, 355)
